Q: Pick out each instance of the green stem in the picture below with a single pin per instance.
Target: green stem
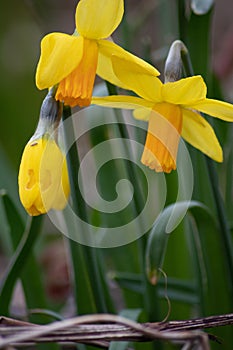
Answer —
(150, 296)
(222, 219)
(88, 287)
(131, 170)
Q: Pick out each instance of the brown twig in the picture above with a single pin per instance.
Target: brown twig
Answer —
(101, 329)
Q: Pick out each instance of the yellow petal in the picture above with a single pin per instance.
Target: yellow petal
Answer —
(198, 132)
(163, 138)
(98, 19)
(60, 54)
(50, 176)
(215, 108)
(40, 176)
(134, 76)
(120, 101)
(28, 178)
(142, 113)
(63, 191)
(105, 69)
(185, 91)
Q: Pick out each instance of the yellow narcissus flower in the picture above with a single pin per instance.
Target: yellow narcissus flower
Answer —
(43, 177)
(172, 110)
(72, 61)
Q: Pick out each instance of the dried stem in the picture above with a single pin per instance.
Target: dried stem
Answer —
(101, 329)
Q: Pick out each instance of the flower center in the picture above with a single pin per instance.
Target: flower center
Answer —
(76, 88)
(162, 141)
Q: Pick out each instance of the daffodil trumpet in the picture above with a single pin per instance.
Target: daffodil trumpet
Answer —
(180, 103)
(43, 176)
(72, 61)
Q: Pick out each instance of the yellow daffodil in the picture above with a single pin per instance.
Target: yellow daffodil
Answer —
(72, 61)
(43, 177)
(172, 110)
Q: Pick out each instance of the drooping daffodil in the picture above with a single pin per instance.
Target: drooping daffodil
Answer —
(43, 177)
(172, 110)
(72, 61)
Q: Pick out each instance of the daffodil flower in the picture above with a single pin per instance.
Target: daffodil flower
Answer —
(43, 177)
(72, 61)
(172, 110)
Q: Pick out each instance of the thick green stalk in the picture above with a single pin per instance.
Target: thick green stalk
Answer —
(131, 170)
(221, 212)
(195, 33)
(87, 281)
(151, 303)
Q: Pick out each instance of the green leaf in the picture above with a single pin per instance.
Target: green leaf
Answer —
(200, 7)
(47, 313)
(8, 184)
(229, 186)
(14, 219)
(23, 263)
(209, 262)
(130, 281)
(4, 227)
(177, 289)
(159, 235)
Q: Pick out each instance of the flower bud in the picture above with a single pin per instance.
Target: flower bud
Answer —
(43, 176)
(173, 64)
